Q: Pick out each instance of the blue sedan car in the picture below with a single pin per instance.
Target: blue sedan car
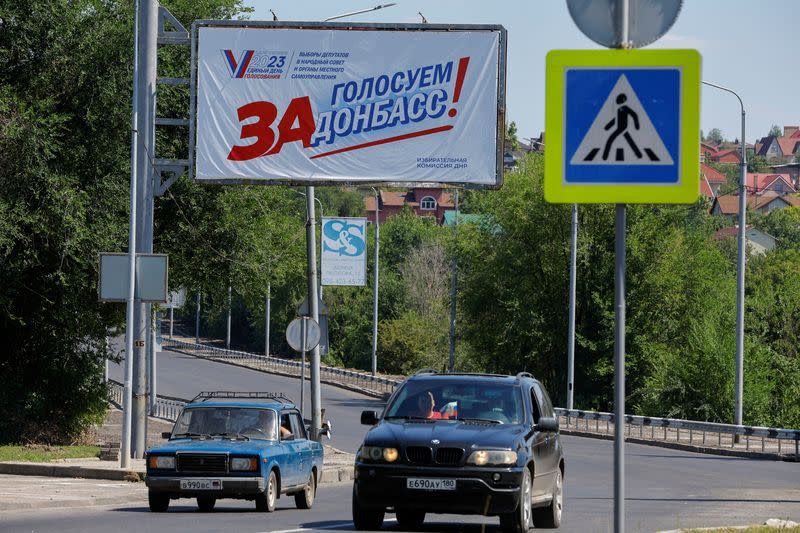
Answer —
(243, 445)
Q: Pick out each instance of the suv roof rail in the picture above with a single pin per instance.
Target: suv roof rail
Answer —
(425, 371)
(212, 395)
(525, 375)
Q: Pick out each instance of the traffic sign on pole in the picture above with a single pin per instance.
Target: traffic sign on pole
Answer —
(623, 126)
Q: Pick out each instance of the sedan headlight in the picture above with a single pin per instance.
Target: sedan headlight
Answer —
(247, 464)
(492, 457)
(161, 462)
(378, 454)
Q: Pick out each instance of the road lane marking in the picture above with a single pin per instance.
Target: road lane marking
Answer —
(347, 525)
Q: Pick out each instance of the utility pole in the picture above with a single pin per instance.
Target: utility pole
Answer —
(454, 293)
(197, 320)
(267, 303)
(375, 261)
(147, 21)
(228, 334)
(740, 266)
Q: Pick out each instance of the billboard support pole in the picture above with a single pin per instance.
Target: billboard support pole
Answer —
(313, 307)
(228, 331)
(197, 320)
(266, 319)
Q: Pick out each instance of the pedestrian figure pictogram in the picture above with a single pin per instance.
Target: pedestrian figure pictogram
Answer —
(623, 112)
(622, 133)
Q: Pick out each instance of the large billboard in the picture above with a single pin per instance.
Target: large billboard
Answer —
(338, 103)
(343, 257)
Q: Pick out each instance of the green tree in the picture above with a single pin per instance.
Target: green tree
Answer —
(715, 136)
(775, 131)
(511, 135)
(65, 88)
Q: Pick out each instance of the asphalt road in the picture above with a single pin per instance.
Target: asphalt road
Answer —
(666, 489)
(184, 376)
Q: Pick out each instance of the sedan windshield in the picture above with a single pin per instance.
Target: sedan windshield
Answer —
(239, 422)
(468, 400)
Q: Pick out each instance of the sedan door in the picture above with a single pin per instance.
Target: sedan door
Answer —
(302, 447)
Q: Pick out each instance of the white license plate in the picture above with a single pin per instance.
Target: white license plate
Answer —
(430, 484)
(201, 484)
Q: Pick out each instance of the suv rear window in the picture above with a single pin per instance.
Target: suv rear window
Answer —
(435, 399)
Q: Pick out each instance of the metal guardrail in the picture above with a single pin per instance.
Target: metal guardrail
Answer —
(727, 435)
(166, 407)
(772, 439)
(362, 380)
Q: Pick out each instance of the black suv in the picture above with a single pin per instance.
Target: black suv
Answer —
(465, 444)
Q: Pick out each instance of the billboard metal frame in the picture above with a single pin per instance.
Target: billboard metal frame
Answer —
(351, 26)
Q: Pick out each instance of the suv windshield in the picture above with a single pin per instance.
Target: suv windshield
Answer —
(228, 421)
(467, 400)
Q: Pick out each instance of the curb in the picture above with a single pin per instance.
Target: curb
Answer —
(330, 474)
(791, 458)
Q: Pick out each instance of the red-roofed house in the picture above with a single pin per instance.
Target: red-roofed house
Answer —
(706, 151)
(425, 202)
(728, 205)
(758, 241)
(730, 155)
(782, 148)
(710, 181)
(760, 182)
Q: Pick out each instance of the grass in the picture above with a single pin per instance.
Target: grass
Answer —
(752, 529)
(38, 453)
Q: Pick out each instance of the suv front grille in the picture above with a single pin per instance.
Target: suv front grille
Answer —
(449, 456)
(202, 462)
(420, 455)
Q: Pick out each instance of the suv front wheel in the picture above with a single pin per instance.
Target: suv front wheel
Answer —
(366, 519)
(519, 521)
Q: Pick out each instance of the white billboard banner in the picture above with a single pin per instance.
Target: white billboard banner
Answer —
(341, 103)
(343, 257)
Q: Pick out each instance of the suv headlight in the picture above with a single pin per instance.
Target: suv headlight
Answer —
(378, 454)
(161, 462)
(248, 464)
(492, 457)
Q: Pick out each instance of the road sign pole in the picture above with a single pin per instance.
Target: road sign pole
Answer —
(313, 306)
(145, 127)
(619, 370)
(171, 321)
(304, 342)
(573, 257)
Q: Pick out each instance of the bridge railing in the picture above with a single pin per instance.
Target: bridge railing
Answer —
(166, 407)
(709, 434)
(693, 432)
(360, 380)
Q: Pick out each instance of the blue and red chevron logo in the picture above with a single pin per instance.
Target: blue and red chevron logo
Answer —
(239, 68)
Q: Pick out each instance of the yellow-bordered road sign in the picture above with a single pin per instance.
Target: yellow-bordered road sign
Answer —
(623, 126)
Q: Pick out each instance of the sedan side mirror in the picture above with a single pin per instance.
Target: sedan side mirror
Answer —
(326, 429)
(166, 434)
(547, 423)
(369, 418)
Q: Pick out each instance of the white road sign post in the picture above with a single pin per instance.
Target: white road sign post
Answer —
(343, 251)
(303, 334)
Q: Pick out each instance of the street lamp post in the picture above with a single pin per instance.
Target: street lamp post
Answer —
(375, 284)
(740, 265)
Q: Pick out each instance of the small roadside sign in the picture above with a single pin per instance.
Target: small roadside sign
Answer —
(303, 334)
(623, 126)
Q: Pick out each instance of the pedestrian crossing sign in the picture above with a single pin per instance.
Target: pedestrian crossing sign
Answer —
(622, 126)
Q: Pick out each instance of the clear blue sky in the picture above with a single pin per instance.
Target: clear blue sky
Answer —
(750, 46)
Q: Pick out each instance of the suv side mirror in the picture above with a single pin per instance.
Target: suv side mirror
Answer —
(166, 434)
(547, 423)
(369, 418)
